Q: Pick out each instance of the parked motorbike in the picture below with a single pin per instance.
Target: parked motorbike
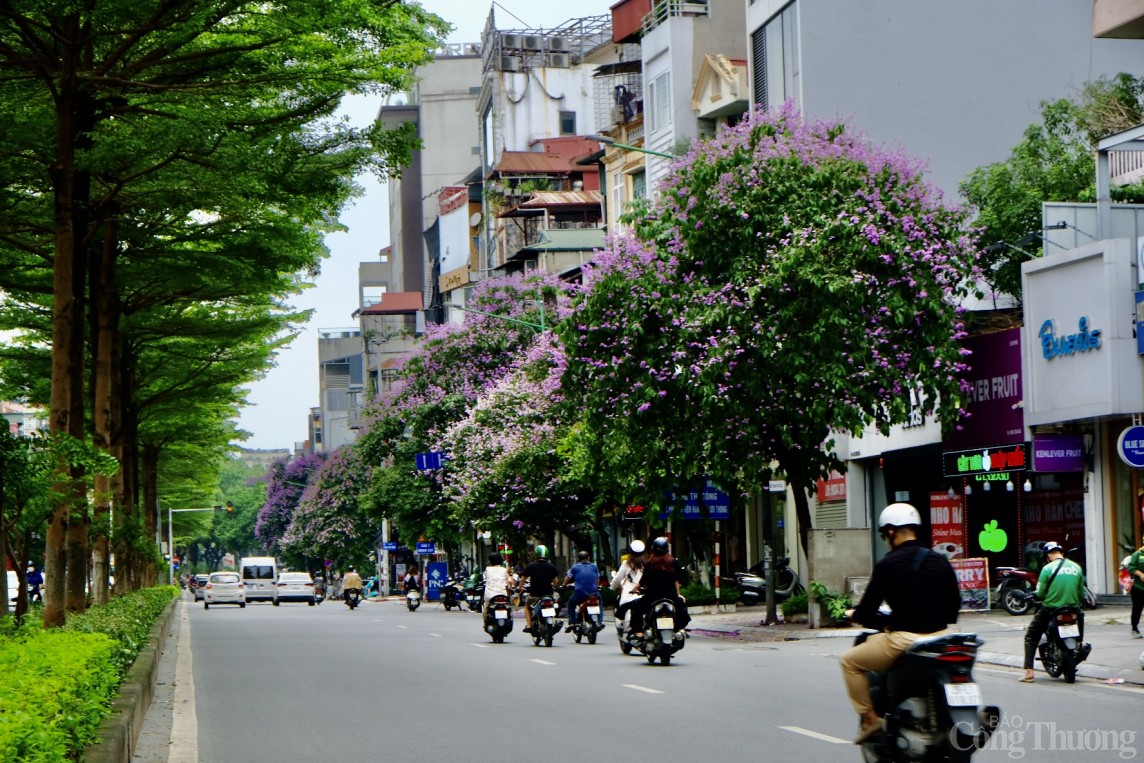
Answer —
(930, 702)
(752, 584)
(498, 618)
(545, 622)
(352, 598)
(413, 599)
(660, 637)
(589, 620)
(453, 593)
(1016, 586)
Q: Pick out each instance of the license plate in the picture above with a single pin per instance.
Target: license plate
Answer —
(593, 610)
(1069, 631)
(548, 612)
(500, 614)
(963, 695)
(664, 623)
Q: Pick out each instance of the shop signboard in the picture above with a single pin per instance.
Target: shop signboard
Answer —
(1130, 446)
(1140, 314)
(1058, 453)
(832, 489)
(973, 582)
(988, 461)
(994, 392)
(947, 526)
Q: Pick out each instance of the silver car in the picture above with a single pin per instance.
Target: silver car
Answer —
(224, 588)
(294, 586)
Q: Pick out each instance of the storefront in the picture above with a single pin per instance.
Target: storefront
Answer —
(1083, 381)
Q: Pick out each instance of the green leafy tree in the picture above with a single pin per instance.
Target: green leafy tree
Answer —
(1053, 162)
(795, 281)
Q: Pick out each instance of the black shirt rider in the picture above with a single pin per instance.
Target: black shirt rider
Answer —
(540, 575)
(925, 601)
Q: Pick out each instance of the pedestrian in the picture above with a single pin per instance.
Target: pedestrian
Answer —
(1061, 584)
(1136, 570)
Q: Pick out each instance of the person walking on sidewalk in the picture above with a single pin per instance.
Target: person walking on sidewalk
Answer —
(1061, 584)
(1136, 570)
(921, 589)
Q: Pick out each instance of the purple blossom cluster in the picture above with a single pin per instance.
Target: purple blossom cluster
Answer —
(286, 483)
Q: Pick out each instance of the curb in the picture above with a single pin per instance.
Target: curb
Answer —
(1084, 670)
(116, 736)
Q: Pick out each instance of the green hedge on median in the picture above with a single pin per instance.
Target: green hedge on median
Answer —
(56, 685)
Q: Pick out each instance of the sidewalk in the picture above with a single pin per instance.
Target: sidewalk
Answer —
(1115, 654)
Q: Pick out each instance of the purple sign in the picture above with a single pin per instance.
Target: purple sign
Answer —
(995, 392)
(1058, 453)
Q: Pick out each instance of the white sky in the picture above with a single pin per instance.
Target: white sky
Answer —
(280, 403)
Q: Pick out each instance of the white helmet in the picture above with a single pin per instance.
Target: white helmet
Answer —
(637, 547)
(899, 515)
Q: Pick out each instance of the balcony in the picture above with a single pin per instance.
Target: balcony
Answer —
(664, 10)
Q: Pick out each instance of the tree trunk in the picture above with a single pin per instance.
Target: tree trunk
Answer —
(150, 505)
(104, 324)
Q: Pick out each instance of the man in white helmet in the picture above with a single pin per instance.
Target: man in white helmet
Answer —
(920, 587)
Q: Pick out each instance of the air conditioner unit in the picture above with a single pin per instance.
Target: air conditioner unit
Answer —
(532, 42)
(557, 45)
(559, 60)
(510, 42)
(509, 64)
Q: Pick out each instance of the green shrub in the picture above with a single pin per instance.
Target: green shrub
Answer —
(698, 595)
(56, 686)
(798, 604)
(834, 604)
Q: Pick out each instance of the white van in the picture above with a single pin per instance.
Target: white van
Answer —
(260, 576)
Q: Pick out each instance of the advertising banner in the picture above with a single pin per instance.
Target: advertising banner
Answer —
(973, 581)
(995, 392)
(947, 528)
(1058, 453)
(436, 575)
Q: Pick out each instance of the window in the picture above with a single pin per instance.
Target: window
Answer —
(774, 47)
(659, 97)
(567, 122)
(639, 185)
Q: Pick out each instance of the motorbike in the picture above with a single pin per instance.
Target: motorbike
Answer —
(624, 629)
(545, 622)
(413, 599)
(1060, 648)
(453, 593)
(931, 705)
(752, 584)
(589, 620)
(661, 640)
(473, 596)
(352, 598)
(1016, 586)
(498, 618)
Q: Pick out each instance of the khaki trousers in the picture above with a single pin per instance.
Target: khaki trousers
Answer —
(878, 652)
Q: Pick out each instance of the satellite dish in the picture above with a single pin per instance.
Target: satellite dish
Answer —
(475, 220)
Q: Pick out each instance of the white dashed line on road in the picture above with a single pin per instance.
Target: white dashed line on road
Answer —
(542, 662)
(403, 627)
(642, 688)
(438, 635)
(815, 735)
(481, 646)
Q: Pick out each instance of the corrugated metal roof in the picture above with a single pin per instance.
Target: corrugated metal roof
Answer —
(563, 198)
(531, 162)
(396, 302)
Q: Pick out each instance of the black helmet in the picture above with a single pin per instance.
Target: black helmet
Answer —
(659, 545)
(1050, 547)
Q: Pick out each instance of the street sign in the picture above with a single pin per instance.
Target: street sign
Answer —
(389, 545)
(717, 502)
(436, 575)
(426, 547)
(432, 460)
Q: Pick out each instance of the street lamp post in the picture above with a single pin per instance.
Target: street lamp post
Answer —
(171, 534)
(612, 142)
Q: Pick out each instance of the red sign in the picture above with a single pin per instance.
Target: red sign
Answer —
(947, 526)
(973, 582)
(833, 489)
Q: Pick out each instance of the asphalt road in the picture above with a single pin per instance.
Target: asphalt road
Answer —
(298, 683)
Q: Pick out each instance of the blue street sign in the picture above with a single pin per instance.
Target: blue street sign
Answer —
(436, 574)
(717, 502)
(389, 545)
(431, 460)
(426, 547)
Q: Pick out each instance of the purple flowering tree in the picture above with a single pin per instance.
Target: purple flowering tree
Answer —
(285, 483)
(329, 522)
(793, 280)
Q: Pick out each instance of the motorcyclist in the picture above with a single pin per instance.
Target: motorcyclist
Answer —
(496, 579)
(412, 581)
(661, 579)
(351, 581)
(1060, 584)
(542, 576)
(626, 581)
(920, 587)
(35, 583)
(1135, 568)
(584, 577)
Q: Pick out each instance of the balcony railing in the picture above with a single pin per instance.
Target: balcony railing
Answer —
(662, 10)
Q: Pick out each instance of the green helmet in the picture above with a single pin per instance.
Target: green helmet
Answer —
(542, 552)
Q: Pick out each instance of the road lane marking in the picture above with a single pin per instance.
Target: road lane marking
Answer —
(815, 735)
(642, 688)
(403, 627)
(438, 635)
(481, 646)
(542, 662)
(184, 722)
